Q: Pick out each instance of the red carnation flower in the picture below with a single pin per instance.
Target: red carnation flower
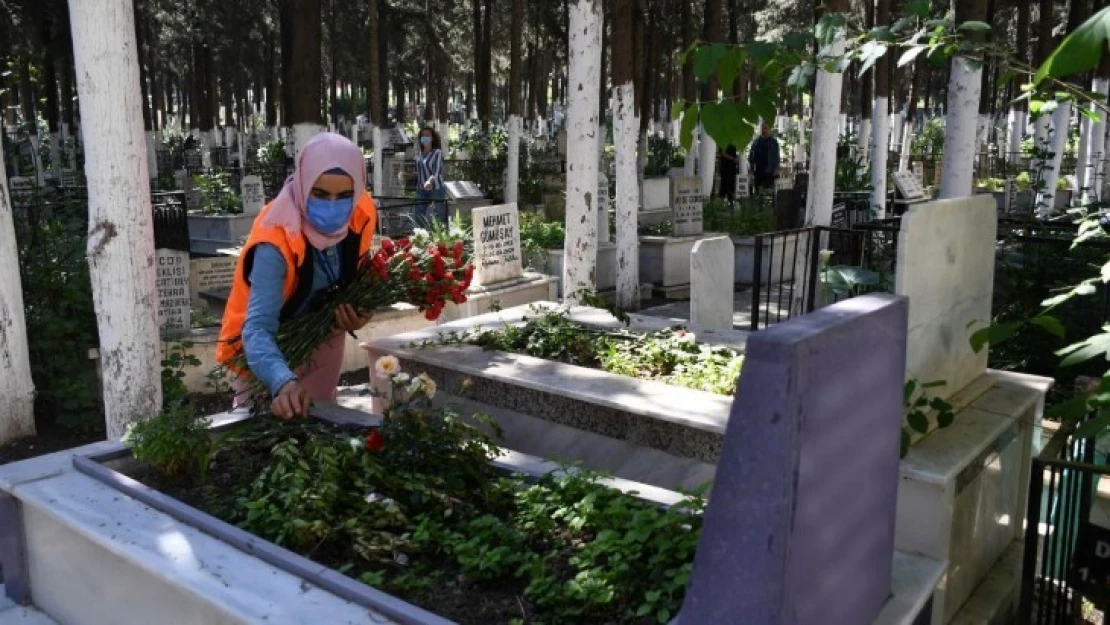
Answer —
(375, 441)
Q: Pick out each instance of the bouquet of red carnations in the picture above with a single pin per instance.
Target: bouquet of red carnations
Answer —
(428, 271)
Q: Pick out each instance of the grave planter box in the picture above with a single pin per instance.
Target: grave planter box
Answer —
(1063, 198)
(606, 275)
(776, 259)
(210, 233)
(665, 261)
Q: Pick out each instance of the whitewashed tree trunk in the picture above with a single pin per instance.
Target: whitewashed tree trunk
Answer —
(1040, 131)
(302, 133)
(151, 156)
(378, 139)
(626, 126)
(880, 141)
(444, 130)
(1061, 118)
(580, 249)
(1081, 165)
(822, 163)
(894, 129)
(864, 139)
(907, 141)
(707, 154)
(689, 164)
(17, 390)
(512, 182)
(1096, 142)
(1018, 119)
(982, 130)
(964, 85)
(56, 164)
(121, 234)
(36, 160)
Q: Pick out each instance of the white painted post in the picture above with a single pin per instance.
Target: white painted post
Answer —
(302, 133)
(626, 125)
(1018, 119)
(907, 139)
(512, 182)
(964, 85)
(864, 139)
(1094, 154)
(880, 141)
(121, 242)
(378, 139)
(894, 128)
(444, 130)
(580, 249)
(152, 156)
(17, 389)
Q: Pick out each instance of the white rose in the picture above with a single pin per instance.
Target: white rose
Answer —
(401, 378)
(388, 365)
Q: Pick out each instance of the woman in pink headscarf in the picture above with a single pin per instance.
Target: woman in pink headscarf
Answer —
(303, 244)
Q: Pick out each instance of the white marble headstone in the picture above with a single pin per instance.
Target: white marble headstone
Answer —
(254, 195)
(946, 269)
(687, 204)
(712, 263)
(908, 186)
(174, 304)
(497, 253)
(919, 171)
(602, 208)
(742, 185)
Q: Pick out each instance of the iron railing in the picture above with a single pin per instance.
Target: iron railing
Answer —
(1062, 497)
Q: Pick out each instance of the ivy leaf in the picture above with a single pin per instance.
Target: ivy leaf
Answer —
(1080, 51)
(908, 390)
(994, 334)
(945, 418)
(760, 51)
(918, 421)
(905, 444)
(1049, 324)
(869, 53)
(689, 123)
(677, 107)
(729, 68)
(975, 27)
(706, 59)
(829, 27)
(917, 8)
(881, 33)
(1097, 345)
(1093, 428)
(722, 122)
(909, 55)
(800, 76)
(797, 40)
(934, 384)
(764, 105)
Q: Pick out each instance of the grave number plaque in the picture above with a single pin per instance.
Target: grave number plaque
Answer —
(1090, 566)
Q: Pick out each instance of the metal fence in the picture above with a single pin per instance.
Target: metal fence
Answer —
(1060, 573)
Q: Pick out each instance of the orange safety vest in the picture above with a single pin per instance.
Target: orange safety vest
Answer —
(298, 283)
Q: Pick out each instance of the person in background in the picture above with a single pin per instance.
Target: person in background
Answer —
(307, 241)
(763, 159)
(727, 164)
(430, 193)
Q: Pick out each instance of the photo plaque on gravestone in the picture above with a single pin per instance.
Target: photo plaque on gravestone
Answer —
(687, 204)
(497, 252)
(253, 194)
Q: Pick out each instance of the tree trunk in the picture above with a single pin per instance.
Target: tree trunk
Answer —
(689, 88)
(374, 87)
(1095, 151)
(822, 156)
(1045, 44)
(121, 240)
(880, 126)
(713, 32)
(305, 73)
(516, 34)
(17, 389)
(584, 60)
(1019, 110)
(1060, 126)
(286, 25)
(866, 92)
(603, 86)
(625, 129)
(961, 117)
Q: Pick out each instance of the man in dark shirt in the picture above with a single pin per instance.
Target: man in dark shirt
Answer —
(727, 165)
(763, 159)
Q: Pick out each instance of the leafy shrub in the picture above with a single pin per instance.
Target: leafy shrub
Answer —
(218, 196)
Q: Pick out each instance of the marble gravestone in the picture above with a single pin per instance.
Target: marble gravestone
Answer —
(945, 267)
(919, 171)
(253, 194)
(908, 186)
(210, 274)
(603, 234)
(687, 204)
(712, 263)
(172, 281)
(497, 252)
(742, 185)
(779, 544)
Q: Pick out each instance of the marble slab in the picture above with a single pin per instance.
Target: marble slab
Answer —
(712, 262)
(497, 252)
(913, 580)
(946, 269)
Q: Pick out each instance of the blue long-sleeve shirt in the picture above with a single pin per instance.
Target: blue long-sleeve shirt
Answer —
(267, 279)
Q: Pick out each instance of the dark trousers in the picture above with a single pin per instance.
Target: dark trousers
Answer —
(763, 180)
(727, 188)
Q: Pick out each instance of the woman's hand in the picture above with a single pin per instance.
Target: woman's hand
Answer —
(291, 401)
(350, 320)
(428, 185)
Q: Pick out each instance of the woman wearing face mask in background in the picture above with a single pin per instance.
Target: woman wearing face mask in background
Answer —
(429, 180)
(306, 241)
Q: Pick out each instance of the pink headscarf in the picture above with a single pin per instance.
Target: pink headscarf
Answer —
(322, 153)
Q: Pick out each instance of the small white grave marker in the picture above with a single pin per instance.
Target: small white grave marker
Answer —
(712, 263)
(174, 304)
(742, 188)
(687, 204)
(602, 208)
(497, 253)
(908, 185)
(919, 171)
(253, 194)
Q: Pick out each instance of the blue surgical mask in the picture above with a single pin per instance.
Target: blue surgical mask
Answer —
(425, 140)
(330, 216)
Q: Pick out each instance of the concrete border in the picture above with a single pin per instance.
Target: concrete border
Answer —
(13, 551)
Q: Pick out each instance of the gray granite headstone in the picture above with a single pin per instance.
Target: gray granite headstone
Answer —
(800, 525)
